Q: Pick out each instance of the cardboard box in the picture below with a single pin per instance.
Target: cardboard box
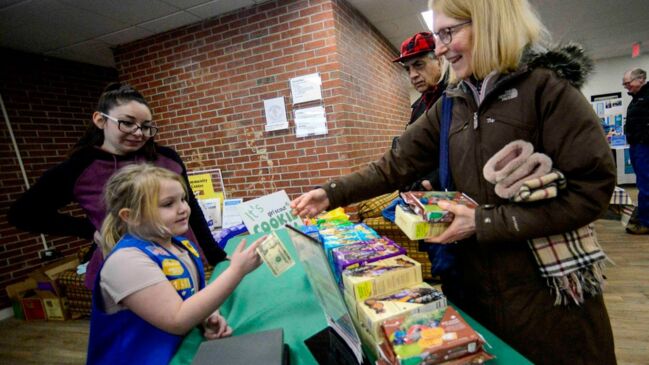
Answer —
(381, 277)
(368, 341)
(45, 277)
(53, 270)
(16, 292)
(359, 254)
(429, 338)
(352, 305)
(415, 227)
(422, 297)
(56, 308)
(32, 306)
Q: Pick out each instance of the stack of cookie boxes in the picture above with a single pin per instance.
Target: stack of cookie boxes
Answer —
(377, 279)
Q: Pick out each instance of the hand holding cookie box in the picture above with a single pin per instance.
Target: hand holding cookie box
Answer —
(422, 217)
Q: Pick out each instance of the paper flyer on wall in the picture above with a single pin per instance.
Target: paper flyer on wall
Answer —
(275, 112)
(306, 88)
(310, 121)
(315, 263)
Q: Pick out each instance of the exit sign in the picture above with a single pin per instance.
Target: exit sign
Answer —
(635, 50)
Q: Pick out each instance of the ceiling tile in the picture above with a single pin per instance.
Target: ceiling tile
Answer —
(123, 36)
(606, 28)
(185, 4)
(8, 3)
(217, 7)
(131, 12)
(388, 10)
(93, 51)
(168, 22)
(33, 12)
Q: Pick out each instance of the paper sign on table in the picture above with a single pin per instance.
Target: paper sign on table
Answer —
(267, 213)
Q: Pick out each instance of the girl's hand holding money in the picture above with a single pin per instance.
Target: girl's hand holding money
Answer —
(310, 204)
(246, 259)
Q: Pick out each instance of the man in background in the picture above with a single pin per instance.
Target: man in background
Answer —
(427, 74)
(636, 129)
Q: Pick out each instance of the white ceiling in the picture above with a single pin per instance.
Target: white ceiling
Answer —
(85, 30)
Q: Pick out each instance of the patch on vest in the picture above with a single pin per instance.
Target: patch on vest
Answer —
(172, 267)
(156, 250)
(180, 284)
(189, 247)
(508, 95)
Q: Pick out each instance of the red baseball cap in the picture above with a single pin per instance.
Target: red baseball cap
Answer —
(417, 45)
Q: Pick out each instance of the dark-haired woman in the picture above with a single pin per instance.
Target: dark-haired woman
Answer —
(121, 133)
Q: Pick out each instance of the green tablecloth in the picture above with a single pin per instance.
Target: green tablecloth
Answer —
(262, 301)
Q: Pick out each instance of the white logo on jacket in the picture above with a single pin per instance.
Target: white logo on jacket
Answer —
(508, 95)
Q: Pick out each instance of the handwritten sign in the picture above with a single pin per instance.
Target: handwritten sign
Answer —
(267, 213)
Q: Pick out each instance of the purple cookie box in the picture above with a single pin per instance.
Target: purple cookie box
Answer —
(359, 254)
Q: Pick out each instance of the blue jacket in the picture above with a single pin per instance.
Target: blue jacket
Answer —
(124, 337)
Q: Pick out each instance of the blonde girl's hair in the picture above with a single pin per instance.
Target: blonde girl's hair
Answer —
(502, 29)
(136, 188)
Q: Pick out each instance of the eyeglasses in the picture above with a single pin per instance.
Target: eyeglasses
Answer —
(127, 126)
(445, 35)
(627, 83)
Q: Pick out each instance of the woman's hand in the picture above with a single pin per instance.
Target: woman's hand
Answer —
(463, 225)
(246, 259)
(216, 327)
(310, 204)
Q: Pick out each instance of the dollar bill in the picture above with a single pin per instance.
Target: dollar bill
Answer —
(275, 255)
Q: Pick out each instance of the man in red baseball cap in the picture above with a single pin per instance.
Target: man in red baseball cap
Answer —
(424, 70)
(427, 74)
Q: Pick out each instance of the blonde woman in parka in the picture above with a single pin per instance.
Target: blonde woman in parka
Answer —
(516, 90)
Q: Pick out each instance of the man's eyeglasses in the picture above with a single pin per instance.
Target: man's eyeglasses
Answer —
(445, 35)
(127, 126)
(627, 83)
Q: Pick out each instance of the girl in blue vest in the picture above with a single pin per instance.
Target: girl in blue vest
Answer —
(151, 288)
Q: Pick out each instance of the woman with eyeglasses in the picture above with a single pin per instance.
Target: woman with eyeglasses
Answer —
(507, 86)
(121, 133)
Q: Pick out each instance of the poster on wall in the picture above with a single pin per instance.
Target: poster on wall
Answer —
(611, 113)
(306, 88)
(310, 121)
(207, 187)
(275, 111)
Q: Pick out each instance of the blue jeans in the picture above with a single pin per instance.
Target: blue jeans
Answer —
(639, 154)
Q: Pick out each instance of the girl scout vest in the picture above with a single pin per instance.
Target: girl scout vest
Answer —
(125, 338)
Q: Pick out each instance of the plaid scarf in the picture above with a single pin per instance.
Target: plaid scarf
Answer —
(544, 187)
(572, 262)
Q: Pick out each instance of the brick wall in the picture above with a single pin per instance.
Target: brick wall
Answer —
(376, 96)
(49, 103)
(206, 84)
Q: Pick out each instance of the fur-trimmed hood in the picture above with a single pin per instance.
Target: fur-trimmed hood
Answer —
(568, 61)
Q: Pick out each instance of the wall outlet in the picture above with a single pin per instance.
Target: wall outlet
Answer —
(49, 254)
